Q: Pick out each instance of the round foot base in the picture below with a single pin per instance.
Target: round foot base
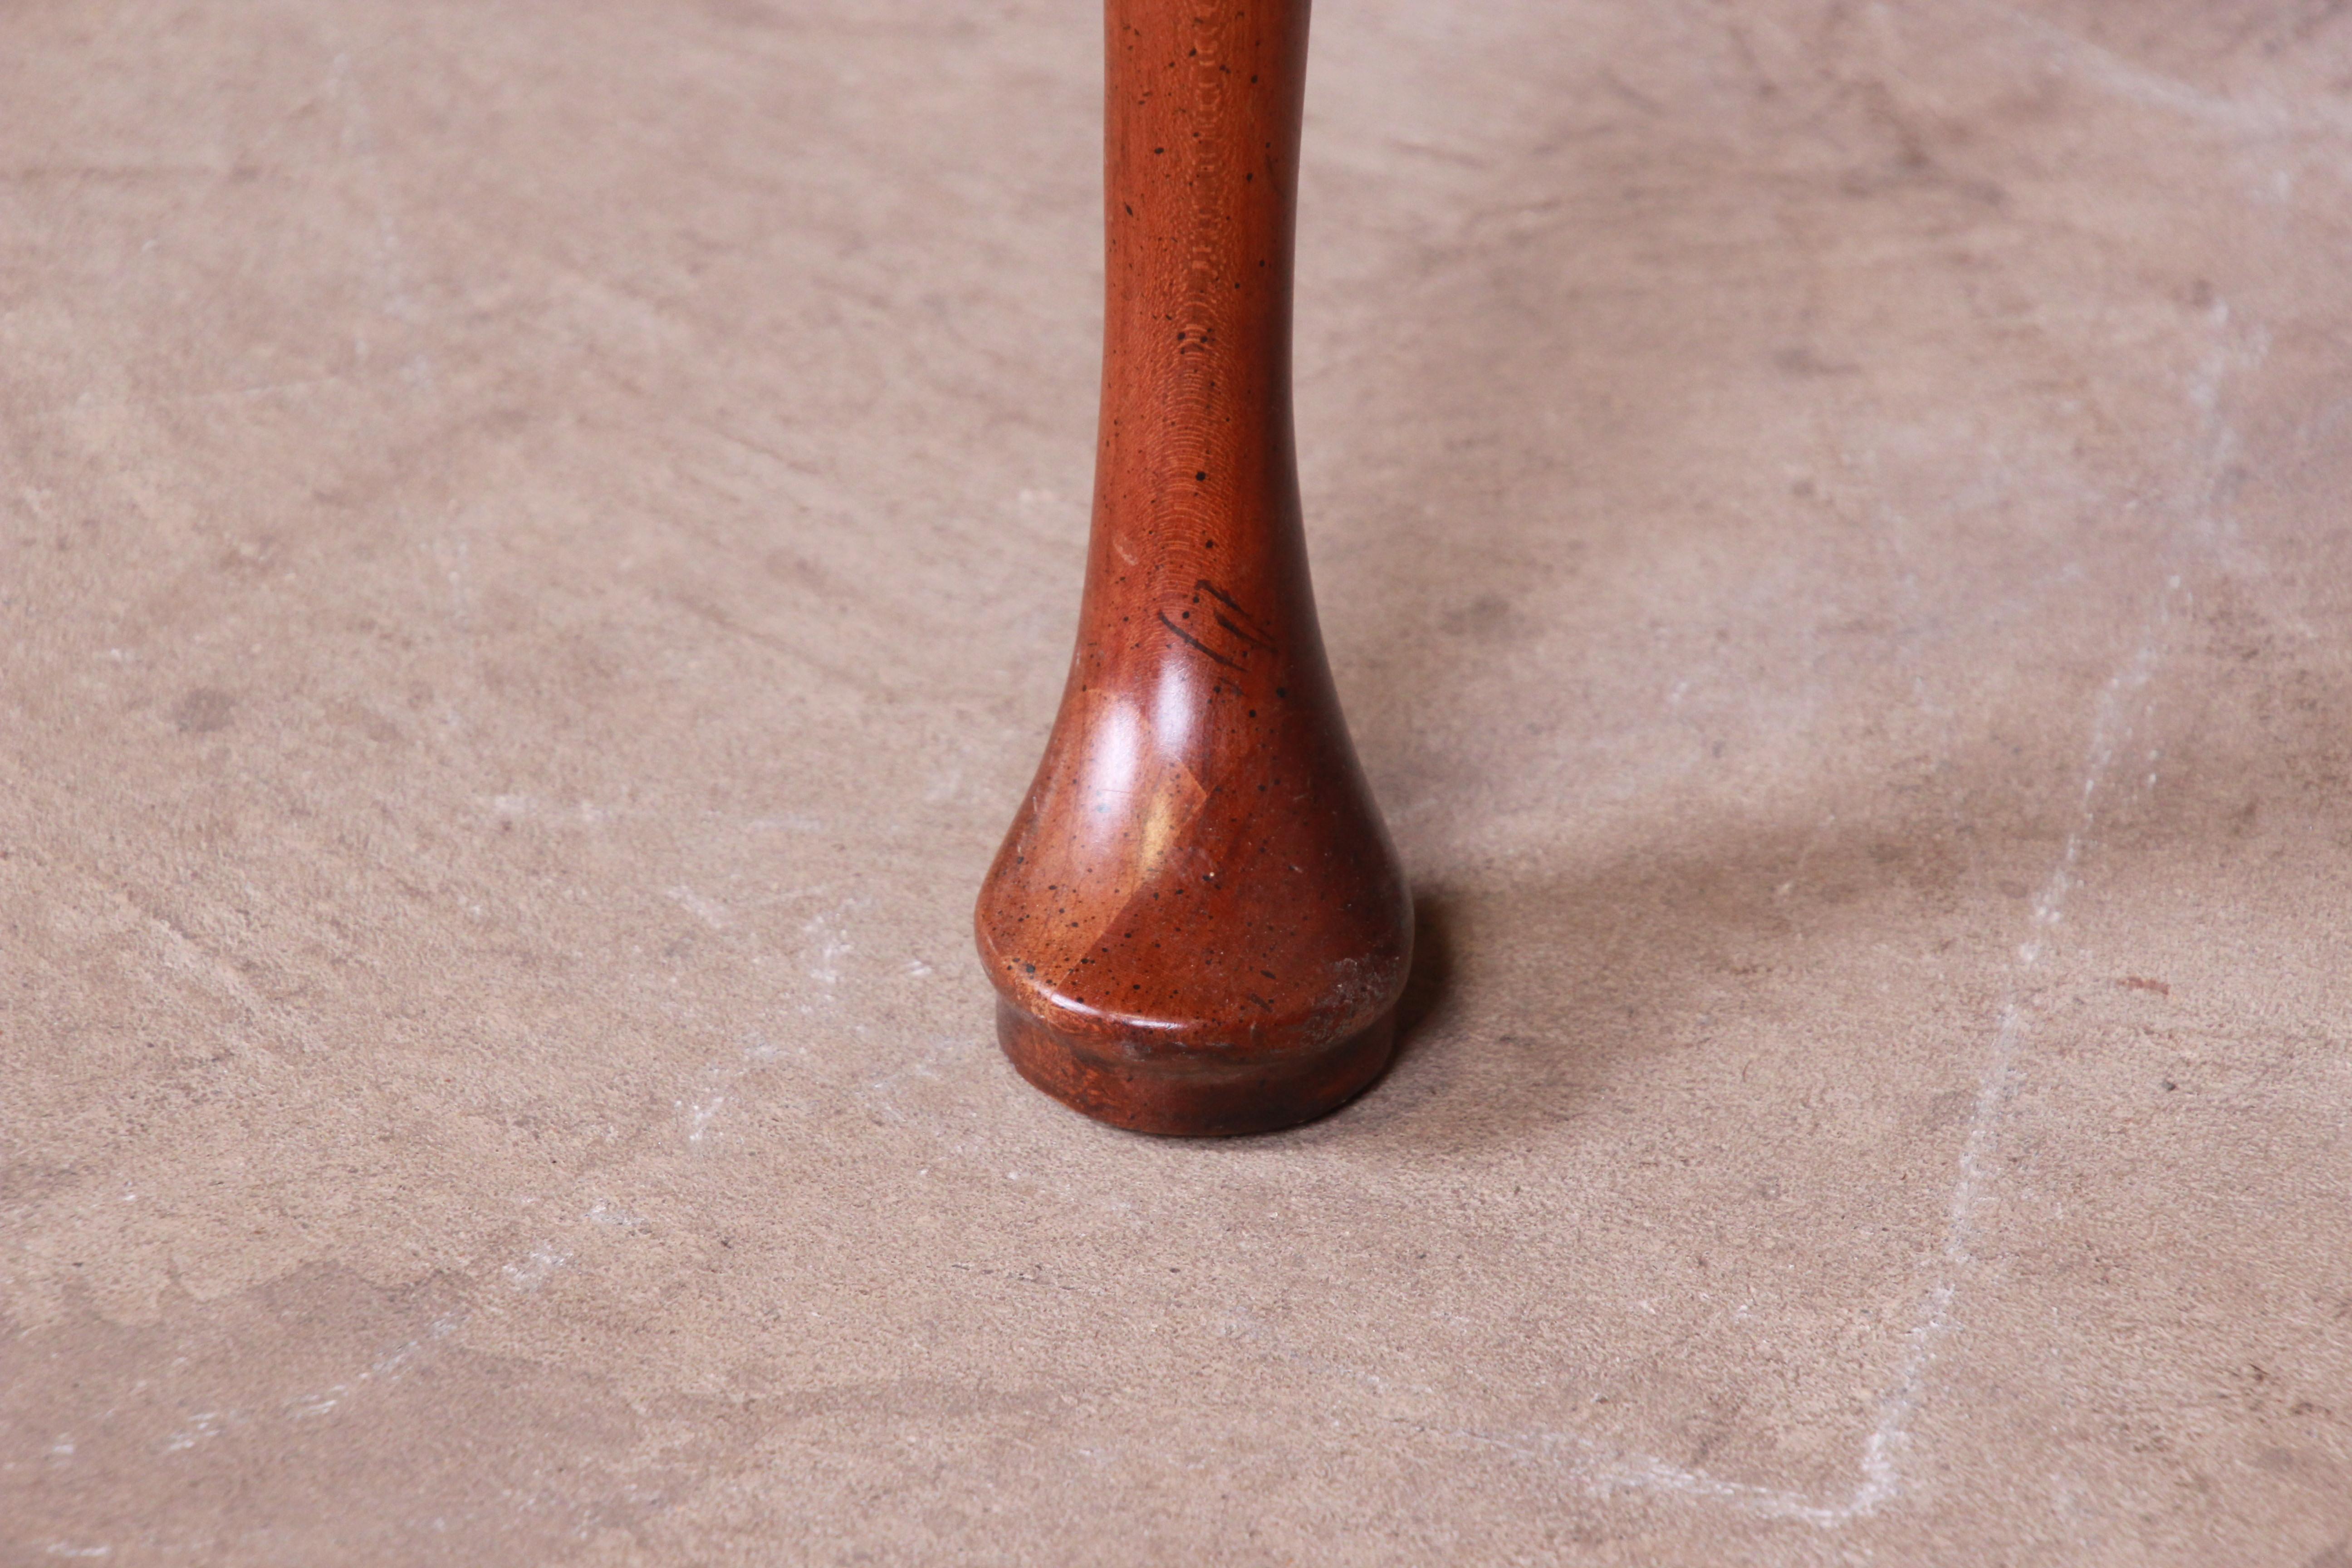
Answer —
(1184, 1099)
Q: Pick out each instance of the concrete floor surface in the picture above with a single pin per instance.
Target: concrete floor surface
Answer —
(538, 546)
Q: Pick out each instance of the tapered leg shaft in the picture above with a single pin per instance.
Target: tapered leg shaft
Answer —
(1197, 923)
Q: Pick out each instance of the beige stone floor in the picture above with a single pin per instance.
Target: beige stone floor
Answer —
(540, 544)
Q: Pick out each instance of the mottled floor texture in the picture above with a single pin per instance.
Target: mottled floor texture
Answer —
(541, 542)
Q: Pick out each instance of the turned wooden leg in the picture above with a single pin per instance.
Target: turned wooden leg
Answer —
(1197, 923)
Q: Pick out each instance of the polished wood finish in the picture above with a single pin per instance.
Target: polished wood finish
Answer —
(1197, 923)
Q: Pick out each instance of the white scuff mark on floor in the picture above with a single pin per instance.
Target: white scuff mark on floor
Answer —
(201, 1427)
(1995, 1086)
(699, 1115)
(718, 1081)
(880, 1095)
(304, 1405)
(831, 943)
(394, 1361)
(536, 1268)
(708, 911)
(386, 1368)
(388, 255)
(922, 1067)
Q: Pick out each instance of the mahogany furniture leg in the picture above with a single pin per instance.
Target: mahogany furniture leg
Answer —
(1197, 923)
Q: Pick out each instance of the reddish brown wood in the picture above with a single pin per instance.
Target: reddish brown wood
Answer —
(1197, 923)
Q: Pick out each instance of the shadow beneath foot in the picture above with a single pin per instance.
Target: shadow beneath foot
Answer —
(1428, 985)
